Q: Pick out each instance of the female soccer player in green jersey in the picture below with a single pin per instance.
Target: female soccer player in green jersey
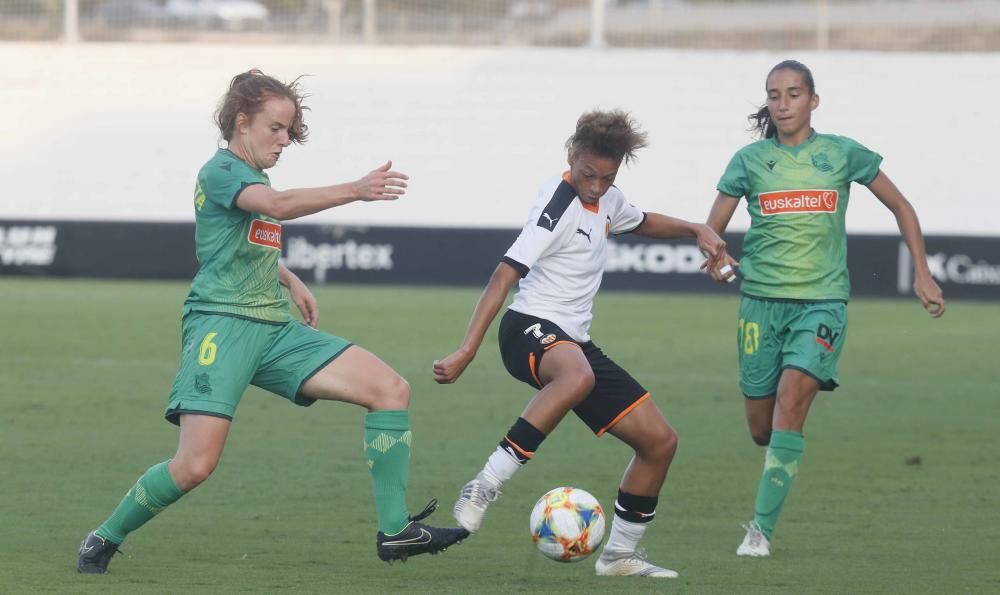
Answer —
(237, 329)
(793, 313)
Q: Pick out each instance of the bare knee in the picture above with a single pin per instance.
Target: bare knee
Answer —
(579, 384)
(761, 436)
(393, 392)
(760, 414)
(191, 472)
(660, 445)
(584, 382)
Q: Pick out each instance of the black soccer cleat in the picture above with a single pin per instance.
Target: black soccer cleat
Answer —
(95, 553)
(417, 538)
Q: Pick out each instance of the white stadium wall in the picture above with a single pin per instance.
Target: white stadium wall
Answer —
(117, 132)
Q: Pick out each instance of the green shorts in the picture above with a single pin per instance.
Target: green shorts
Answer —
(777, 335)
(221, 355)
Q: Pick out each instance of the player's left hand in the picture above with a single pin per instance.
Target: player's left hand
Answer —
(930, 295)
(305, 301)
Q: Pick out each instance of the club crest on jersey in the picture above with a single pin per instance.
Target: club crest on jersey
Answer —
(535, 331)
(783, 202)
(607, 227)
(821, 162)
(263, 233)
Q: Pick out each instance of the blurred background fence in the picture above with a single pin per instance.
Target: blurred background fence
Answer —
(889, 25)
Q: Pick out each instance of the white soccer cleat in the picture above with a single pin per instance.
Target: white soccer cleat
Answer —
(632, 564)
(472, 503)
(755, 543)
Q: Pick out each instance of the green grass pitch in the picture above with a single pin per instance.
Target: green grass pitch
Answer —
(899, 490)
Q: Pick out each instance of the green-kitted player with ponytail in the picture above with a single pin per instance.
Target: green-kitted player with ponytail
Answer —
(237, 329)
(793, 313)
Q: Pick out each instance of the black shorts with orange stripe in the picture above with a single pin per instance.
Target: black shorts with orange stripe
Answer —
(524, 339)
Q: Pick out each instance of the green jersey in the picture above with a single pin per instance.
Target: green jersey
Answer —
(238, 251)
(796, 247)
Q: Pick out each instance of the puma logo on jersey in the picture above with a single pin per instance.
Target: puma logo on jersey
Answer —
(552, 222)
(585, 234)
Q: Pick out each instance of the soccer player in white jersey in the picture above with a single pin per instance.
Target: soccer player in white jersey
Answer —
(545, 342)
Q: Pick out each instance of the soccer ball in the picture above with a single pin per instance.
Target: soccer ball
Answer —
(567, 524)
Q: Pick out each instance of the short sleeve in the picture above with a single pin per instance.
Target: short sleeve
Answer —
(533, 242)
(625, 217)
(223, 181)
(862, 163)
(734, 180)
(544, 226)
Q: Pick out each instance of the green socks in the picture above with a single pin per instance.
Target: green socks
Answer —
(780, 466)
(387, 449)
(154, 491)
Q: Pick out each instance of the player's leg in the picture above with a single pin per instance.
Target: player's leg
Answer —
(760, 416)
(809, 363)
(214, 372)
(796, 392)
(758, 347)
(654, 442)
(567, 379)
(539, 353)
(359, 377)
(199, 449)
(354, 375)
(619, 405)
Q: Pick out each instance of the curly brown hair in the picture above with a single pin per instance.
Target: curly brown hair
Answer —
(247, 93)
(613, 134)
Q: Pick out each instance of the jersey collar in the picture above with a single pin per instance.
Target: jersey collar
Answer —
(795, 150)
(592, 208)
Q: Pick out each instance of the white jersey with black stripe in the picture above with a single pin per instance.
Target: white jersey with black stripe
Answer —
(562, 250)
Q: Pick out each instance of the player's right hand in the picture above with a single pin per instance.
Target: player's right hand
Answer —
(447, 370)
(726, 269)
(381, 184)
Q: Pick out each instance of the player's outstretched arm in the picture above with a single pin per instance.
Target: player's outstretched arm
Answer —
(924, 286)
(301, 296)
(380, 184)
(665, 227)
(448, 369)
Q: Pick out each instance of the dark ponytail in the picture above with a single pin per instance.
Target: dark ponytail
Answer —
(760, 120)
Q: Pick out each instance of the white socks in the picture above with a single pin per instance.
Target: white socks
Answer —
(499, 468)
(624, 538)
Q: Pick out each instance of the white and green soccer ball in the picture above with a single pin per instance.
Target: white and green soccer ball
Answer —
(567, 524)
